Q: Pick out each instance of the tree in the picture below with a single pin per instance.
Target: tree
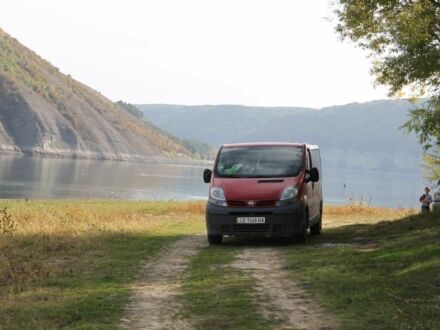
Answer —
(133, 110)
(403, 38)
(431, 165)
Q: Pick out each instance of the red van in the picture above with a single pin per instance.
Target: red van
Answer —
(268, 189)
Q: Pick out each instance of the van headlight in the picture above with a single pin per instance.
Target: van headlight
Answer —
(217, 196)
(288, 195)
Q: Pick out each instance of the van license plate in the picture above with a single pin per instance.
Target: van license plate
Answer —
(251, 220)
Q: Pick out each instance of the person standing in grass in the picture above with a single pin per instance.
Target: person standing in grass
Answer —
(426, 200)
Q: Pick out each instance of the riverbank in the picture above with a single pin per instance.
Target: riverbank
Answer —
(177, 159)
(45, 178)
(374, 274)
(74, 263)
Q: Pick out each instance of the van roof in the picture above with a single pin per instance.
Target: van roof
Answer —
(258, 144)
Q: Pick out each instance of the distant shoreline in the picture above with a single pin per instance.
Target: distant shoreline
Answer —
(103, 157)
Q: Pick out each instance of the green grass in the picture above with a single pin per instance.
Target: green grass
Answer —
(217, 296)
(71, 264)
(394, 286)
(90, 292)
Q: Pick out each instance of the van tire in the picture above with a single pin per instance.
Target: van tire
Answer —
(317, 227)
(215, 239)
(302, 237)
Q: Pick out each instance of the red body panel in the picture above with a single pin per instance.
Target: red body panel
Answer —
(246, 189)
(252, 199)
(254, 189)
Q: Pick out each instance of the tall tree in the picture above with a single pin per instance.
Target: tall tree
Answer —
(131, 109)
(431, 166)
(403, 37)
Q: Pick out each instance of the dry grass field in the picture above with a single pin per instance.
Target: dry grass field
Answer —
(72, 263)
(359, 213)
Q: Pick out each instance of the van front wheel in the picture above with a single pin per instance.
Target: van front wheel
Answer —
(215, 239)
(317, 227)
(302, 236)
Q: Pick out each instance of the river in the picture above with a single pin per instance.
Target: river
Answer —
(48, 178)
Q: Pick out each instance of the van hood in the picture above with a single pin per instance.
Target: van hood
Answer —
(256, 189)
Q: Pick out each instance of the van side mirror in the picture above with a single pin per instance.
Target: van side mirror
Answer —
(207, 175)
(313, 175)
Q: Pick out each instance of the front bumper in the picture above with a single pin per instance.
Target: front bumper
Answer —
(280, 221)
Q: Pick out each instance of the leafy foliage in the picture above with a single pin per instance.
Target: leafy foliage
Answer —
(431, 166)
(426, 122)
(199, 149)
(403, 37)
(130, 108)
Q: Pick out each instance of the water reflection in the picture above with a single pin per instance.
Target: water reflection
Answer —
(26, 177)
(373, 187)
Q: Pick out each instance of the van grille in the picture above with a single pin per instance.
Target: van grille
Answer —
(269, 203)
(263, 203)
(251, 214)
(237, 203)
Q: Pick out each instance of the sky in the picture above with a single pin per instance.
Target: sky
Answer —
(251, 52)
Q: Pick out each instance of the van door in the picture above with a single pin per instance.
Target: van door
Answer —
(311, 190)
(317, 189)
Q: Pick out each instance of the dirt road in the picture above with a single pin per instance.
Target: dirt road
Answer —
(155, 302)
(291, 303)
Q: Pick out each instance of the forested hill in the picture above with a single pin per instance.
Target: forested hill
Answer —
(355, 136)
(43, 111)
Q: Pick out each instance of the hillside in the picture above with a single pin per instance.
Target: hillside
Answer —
(45, 112)
(353, 136)
(78, 265)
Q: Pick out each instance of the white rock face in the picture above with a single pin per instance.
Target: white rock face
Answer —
(43, 111)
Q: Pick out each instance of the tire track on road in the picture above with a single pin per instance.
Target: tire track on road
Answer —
(286, 299)
(155, 302)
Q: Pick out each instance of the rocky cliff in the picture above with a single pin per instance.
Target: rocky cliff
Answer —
(45, 112)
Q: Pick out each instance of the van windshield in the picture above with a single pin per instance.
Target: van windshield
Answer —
(259, 162)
